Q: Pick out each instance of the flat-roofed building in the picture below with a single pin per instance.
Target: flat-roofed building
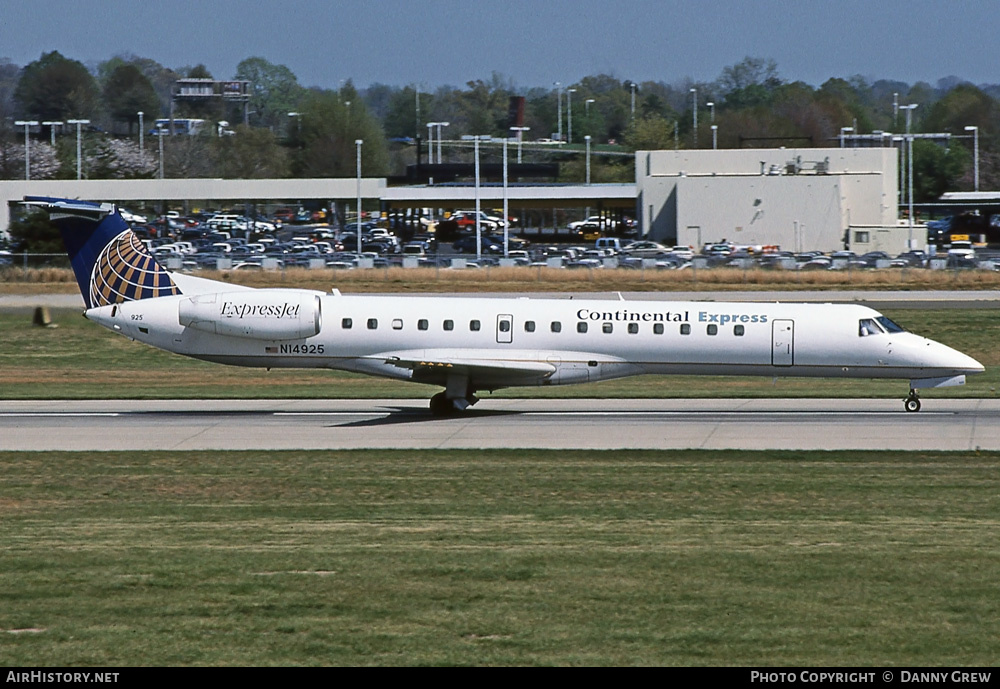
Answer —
(797, 198)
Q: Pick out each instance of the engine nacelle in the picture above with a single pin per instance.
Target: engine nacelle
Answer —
(262, 314)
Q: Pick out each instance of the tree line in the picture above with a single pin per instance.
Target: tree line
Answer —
(295, 131)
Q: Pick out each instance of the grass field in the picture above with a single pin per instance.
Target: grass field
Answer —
(488, 558)
(81, 360)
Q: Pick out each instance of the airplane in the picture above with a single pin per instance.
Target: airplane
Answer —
(467, 345)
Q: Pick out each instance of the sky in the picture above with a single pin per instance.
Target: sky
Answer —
(532, 43)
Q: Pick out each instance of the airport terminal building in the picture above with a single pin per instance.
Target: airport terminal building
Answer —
(797, 198)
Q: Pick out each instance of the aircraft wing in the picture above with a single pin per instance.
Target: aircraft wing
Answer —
(469, 364)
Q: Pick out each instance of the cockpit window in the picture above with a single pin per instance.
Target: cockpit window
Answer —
(889, 326)
(868, 326)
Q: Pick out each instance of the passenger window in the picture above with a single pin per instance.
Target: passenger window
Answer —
(738, 330)
(608, 328)
(713, 329)
(581, 327)
(657, 328)
(449, 325)
(504, 326)
(556, 327)
(529, 326)
(474, 325)
(397, 323)
(685, 328)
(346, 324)
(372, 323)
(633, 328)
(422, 324)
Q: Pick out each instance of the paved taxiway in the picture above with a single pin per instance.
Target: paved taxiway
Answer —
(808, 424)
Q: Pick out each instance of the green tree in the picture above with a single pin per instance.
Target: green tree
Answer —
(9, 76)
(482, 109)
(401, 117)
(251, 153)
(56, 88)
(936, 169)
(965, 105)
(274, 92)
(127, 92)
(329, 129)
(36, 235)
(650, 134)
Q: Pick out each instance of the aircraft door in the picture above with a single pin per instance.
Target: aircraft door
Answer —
(782, 343)
(505, 328)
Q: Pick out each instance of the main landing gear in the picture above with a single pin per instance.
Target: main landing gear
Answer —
(912, 402)
(441, 405)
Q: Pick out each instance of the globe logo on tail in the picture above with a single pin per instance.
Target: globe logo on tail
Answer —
(125, 271)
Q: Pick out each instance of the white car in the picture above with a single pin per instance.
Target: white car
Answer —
(132, 218)
(645, 249)
(605, 223)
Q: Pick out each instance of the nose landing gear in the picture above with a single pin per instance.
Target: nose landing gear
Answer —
(912, 402)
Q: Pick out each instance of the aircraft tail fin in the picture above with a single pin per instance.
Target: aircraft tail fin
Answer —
(110, 262)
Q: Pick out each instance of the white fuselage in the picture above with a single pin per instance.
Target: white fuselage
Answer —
(491, 343)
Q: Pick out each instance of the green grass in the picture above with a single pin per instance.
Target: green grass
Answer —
(81, 360)
(479, 558)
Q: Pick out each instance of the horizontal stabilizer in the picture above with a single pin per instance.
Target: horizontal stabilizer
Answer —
(69, 207)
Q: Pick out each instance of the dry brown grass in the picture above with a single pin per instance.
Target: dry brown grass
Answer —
(541, 279)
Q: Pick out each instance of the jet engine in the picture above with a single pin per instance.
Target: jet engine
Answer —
(264, 314)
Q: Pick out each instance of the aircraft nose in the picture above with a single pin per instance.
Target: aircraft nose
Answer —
(955, 360)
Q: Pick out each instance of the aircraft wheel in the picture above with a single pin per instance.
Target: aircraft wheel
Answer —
(912, 403)
(441, 405)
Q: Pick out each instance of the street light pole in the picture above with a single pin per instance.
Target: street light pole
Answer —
(975, 138)
(520, 131)
(909, 163)
(430, 148)
(558, 111)
(711, 108)
(358, 142)
(416, 90)
(632, 87)
(141, 132)
(506, 213)
(715, 137)
(79, 149)
(569, 107)
(27, 145)
(479, 235)
(843, 131)
(439, 125)
(52, 130)
(694, 115)
(587, 139)
(159, 132)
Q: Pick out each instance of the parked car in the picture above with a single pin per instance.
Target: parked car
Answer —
(467, 245)
(645, 249)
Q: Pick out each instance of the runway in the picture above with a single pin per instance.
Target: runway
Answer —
(740, 424)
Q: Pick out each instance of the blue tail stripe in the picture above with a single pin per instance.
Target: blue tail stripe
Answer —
(110, 263)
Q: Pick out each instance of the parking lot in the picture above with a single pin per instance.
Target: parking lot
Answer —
(295, 238)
